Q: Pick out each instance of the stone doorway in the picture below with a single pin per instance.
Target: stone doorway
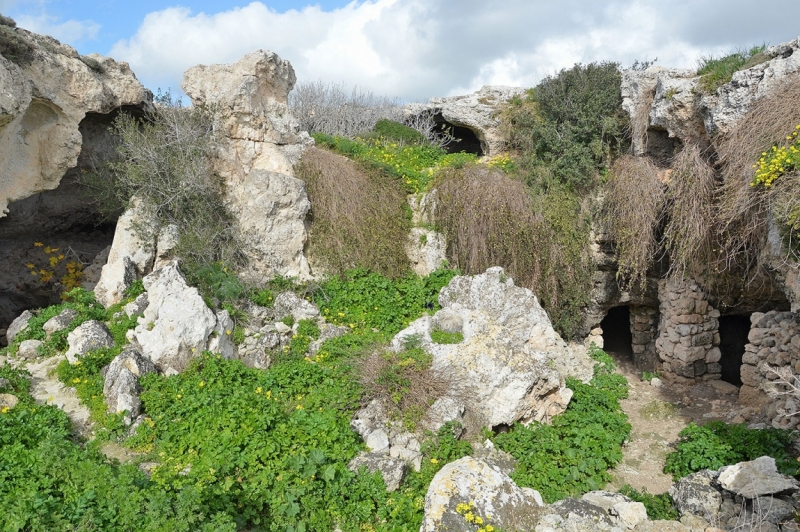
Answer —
(617, 337)
(733, 331)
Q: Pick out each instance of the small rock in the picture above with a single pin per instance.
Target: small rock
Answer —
(756, 478)
(29, 349)
(137, 306)
(18, 325)
(393, 470)
(629, 514)
(695, 495)
(724, 387)
(88, 336)
(655, 382)
(377, 441)
(289, 303)
(282, 328)
(121, 387)
(8, 401)
(60, 322)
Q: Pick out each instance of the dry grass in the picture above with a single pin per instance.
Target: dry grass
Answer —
(689, 236)
(632, 211)
(490, 219)
(404, 381)
(358, 219)
(744, 210)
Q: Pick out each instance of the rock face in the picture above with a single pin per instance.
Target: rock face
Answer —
(475, 112)
(48, 90)
(675, 104)
(469, 486)
(261, 144)
(177, 325)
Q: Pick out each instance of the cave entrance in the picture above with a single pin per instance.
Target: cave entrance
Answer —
(468, 141)
(733, 331)
(617, 336)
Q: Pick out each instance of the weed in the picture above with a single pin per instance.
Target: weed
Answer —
(717, 71)
(658, 506)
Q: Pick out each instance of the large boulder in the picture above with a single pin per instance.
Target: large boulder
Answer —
(470, 492)
(476, 112)
(260, 145)
(177, 325)
(19, 324)
(506, 369)
(757, 478)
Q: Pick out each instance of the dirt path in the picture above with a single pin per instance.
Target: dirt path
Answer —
(657, 415)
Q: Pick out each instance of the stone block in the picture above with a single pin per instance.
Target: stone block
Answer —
(689, 318)
(701, 307)
(714, 368)
(751, 358)
(688, 354)
(713, 355)
(755, 317)
(700, 367)
(686, 330)
(751, 376)
(705, 338)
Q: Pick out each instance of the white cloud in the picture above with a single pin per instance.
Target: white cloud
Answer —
(415, 49)
(68, 31)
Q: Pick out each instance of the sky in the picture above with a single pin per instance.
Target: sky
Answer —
(407, 49)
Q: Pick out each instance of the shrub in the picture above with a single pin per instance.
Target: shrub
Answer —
(443, 337)
(164, 160)
(632, 211)
(573, 455)
(570, 126)
(718, 444)
(14, 46)
(717, 71)
(359, 217)
(330, 108)
(490, 219)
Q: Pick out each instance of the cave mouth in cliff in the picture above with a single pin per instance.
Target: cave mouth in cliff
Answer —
(468, 141)
(733, 331)
(617, 336)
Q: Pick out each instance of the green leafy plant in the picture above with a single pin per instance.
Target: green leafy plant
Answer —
(398, 132)
(658, 506)
(718, 444)
(573, 454)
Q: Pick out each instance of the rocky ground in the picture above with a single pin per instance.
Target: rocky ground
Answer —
(657, 414)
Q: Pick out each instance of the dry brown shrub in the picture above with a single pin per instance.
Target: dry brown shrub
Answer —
(632, 211)
(542, 241)
(403, 381)
(744, 210)
(689, 236)
(489, 220)
(359, 217)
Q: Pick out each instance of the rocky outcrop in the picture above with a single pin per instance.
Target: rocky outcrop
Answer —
(177, 326)
(671, 100)
(476, 112)
(48, 90)
(260, 143)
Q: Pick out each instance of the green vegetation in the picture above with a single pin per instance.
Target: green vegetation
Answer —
(658, 506)
(397, 132)
(443, 337)
(718, 444)
(573, 455)
(717, 71)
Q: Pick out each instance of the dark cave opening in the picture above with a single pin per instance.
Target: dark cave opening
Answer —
(733, 331)
(617, 337)
(467, 140)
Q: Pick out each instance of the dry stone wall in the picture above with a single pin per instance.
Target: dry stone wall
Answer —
(688, 341)
(644, 332)
(774, 343)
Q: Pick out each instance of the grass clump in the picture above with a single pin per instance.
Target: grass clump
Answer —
(658, 506)
(398, 132)
(718, 444)
(715, 72)
(573, 455)
(443, 337)
(359, 217)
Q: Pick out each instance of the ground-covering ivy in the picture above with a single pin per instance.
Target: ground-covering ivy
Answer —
(718, 444)
(573, 454)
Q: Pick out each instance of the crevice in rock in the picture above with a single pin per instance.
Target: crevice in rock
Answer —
(733, 331)
(661, 147)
